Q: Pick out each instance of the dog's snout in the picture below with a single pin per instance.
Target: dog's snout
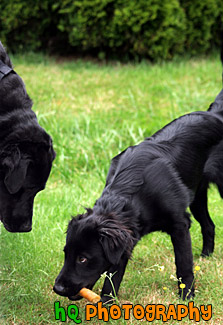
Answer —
(25, 227)
(59, 289)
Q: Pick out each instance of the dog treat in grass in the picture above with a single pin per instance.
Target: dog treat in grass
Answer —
(89, 295)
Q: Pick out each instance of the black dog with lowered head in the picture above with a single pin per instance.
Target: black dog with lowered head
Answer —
(148, 188)
(26, 151)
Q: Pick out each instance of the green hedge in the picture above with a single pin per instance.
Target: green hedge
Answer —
(203, 18)
(154, 29)
(23, 23)
(142, 28)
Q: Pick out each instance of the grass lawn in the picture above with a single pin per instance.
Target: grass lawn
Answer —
(93, 112)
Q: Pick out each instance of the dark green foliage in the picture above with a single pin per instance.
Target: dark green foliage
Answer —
(23, 22)
(122, 29)
(202, 18)
(137, 28)
(27, 25)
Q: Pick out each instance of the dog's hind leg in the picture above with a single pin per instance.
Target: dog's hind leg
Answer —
(199, 209)
(213, 170)
(181, 240)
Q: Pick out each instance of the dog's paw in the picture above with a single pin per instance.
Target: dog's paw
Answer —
(186, 294)
(206, 253)
(107, 300)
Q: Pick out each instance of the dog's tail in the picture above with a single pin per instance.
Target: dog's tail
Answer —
(4, 56)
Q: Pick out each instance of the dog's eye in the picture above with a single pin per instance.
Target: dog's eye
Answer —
(81, 259)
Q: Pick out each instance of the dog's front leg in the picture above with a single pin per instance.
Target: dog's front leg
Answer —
(113, 280)
(181, 240)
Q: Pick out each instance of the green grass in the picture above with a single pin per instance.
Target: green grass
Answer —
(93, 112)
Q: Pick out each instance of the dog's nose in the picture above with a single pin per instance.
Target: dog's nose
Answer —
(25, 228)
(18, 228)
(59, 289)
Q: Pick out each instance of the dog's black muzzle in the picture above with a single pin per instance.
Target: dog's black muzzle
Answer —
(70, 291)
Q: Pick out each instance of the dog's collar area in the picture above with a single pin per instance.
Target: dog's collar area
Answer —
(4, 70)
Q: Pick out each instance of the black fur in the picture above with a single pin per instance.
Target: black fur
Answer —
(148, 188)
(26, 153)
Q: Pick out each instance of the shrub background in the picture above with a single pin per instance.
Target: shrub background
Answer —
(120, 29)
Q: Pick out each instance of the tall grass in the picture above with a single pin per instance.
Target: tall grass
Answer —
(93, 112)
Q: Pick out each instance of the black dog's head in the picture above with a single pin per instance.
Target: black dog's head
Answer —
(24, 170)
(26, 151)
(93, 244)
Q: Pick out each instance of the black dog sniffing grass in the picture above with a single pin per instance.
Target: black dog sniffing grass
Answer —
(148, 188)
(26, 151)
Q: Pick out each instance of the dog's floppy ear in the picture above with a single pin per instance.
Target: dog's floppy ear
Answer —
(16, 169)
(115, 240)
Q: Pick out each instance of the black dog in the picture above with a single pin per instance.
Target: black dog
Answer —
(148, 188)
(26, 151)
